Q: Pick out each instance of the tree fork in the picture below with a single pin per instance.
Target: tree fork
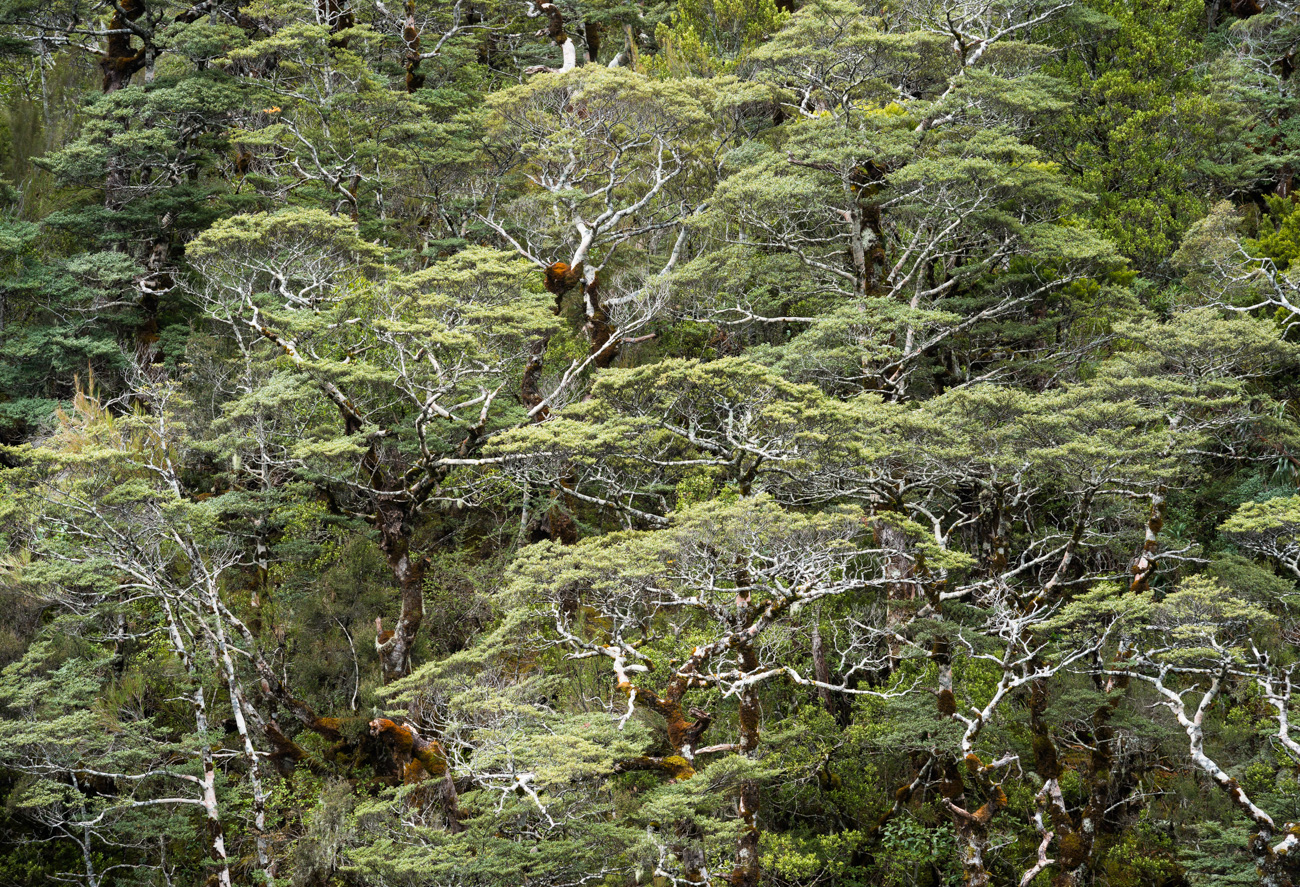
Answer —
(555, 31)
(1145, 563)
(120, 62)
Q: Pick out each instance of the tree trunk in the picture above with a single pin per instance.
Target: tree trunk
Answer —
(746, 872)
(208, 781)
(394, 647)
(212, 813)
(973, 835)
(1276, 869)
(900, 587)
(411, 61)
(599, 330)
(335, 15)
(265, 861)
(836, 706)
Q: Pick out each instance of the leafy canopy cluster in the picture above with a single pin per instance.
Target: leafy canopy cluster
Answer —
(700, 442)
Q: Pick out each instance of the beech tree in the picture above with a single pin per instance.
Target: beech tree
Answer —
(1198, 651)
(280, 283)
(774, 443)
(143, 547)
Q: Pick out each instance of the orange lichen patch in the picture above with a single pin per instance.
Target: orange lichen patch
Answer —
(560, 278)
(330, 728)
(421, 754)
(984, 815)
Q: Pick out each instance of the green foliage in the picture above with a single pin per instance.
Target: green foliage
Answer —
(706, 37)
(1143, 149)
(797, 444)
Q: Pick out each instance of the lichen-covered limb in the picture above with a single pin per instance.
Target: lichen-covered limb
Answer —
(555, 31)
(1275, 862)
(1277, 690)
(1192, 723)
(1043, 862)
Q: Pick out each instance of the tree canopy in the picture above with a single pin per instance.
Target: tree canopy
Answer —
(463, 443)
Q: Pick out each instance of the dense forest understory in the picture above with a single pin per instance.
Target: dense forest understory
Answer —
(492, 443)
